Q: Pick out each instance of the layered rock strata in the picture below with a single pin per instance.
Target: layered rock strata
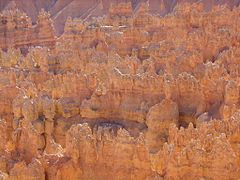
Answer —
(18, 31)
(60, 10)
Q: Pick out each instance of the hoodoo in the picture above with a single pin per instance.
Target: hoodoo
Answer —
(102, 90)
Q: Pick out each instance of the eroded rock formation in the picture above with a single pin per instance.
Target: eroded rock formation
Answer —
(17, 30)
(60, 10)
(126, 95)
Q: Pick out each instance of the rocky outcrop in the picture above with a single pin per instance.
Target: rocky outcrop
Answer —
(112, 147)
(158, 120)
(17, 30)
(60, 10)
(127, 95)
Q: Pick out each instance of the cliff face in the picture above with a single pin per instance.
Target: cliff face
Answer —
(128, 95)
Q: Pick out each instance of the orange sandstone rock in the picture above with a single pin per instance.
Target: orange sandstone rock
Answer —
(127, 94)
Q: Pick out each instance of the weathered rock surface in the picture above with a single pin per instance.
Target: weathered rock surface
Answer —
(60, 10)
(17, 30)
(127, 95)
